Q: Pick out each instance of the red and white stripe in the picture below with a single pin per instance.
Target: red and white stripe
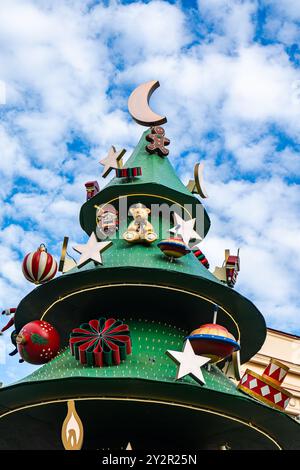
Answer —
(9, 311)
(39, 267)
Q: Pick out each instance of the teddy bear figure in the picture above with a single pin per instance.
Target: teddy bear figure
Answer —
(140, 229)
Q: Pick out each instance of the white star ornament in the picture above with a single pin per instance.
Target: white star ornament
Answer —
(92, 250)
(189, 363)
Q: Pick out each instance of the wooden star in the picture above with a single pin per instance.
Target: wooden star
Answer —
(92, 250)
(184, 229)
(189, 363)
(112, 160)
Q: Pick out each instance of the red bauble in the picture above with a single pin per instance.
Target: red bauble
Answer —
(39, 266)
(38, 342)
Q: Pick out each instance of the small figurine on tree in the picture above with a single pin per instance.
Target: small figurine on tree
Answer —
(140, 229)
(8, 311)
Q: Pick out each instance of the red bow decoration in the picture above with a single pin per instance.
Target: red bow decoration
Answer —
(101, 342)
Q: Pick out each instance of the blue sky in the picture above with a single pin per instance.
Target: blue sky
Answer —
(230, 87)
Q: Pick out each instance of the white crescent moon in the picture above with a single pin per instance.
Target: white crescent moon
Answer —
(198, 175)
(138, 105)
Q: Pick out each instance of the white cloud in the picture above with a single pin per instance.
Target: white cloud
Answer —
(140, 30)
(261, 219)
(261, 86)
(287, 9)
(233, 19)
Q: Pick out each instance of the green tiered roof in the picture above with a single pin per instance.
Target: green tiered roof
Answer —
(148, 361)
(139, 265)
(148, 376)
(156, 169)
(122, 255)
(159, 183)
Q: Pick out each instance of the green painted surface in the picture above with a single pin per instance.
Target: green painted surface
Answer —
(154, 169)
(159, 170)
(158, 184)
(125, 263)
(148, 361)
(124, 254)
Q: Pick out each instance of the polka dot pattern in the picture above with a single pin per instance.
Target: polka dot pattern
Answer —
(148, 360)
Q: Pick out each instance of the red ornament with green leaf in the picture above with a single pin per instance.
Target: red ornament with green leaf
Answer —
(38, 342)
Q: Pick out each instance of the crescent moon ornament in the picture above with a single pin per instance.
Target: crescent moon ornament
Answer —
(63, 254)
(196, 185)
(232, 366)
(138, 105)
(66, 262)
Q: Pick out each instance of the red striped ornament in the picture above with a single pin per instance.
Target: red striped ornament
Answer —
(128, 172)
(173, 247)
(39, 266)
(265, 390)
(103, 342)
(276, 371)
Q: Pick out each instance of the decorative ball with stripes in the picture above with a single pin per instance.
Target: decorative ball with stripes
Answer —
(213, 341)
(173, 247)
(39, 266)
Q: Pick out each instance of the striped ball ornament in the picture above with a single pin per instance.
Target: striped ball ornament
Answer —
(39, 266)
(173, 247)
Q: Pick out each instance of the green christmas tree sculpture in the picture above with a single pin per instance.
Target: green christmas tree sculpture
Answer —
(146, 330)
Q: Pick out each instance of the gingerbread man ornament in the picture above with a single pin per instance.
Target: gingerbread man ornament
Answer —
(158, 141)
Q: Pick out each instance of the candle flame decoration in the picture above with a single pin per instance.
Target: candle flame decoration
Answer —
(72, 429)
